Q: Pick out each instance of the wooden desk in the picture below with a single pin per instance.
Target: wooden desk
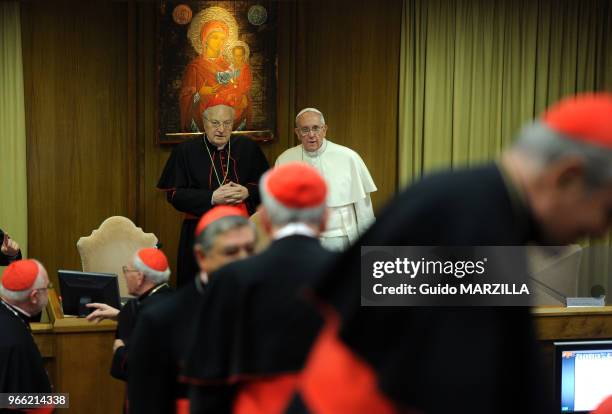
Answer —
(555, 324)
(78, 356)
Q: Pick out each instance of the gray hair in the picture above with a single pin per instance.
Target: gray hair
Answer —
(206, 239)
(280, 215)
(546, 146)
(19, 296)
(153, 276)
(315, 110)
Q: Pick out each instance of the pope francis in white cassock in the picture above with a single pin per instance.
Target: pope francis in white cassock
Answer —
(347, 176)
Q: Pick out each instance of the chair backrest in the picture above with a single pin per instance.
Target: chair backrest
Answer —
(112, 246)
(554, 273)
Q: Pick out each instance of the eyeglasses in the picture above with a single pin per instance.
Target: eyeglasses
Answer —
(218, 124)
(125, 270)
(306, 130)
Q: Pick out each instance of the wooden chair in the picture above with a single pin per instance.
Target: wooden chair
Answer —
(554, 276)
(263, 239)
(112, 246)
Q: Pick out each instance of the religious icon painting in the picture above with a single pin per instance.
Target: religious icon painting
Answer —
(222, 50)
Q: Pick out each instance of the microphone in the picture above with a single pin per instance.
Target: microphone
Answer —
(597, 291)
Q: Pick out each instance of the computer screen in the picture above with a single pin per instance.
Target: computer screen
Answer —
(79, 288)
(583, 373)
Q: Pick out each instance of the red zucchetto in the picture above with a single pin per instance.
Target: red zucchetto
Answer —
(585, 117)
(20, 275)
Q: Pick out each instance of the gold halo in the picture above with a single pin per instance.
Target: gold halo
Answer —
(230, 45)
(205, 16)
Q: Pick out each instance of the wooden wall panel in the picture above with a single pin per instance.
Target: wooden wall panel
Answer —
(156, 215)
(76, 120)
(347, 66)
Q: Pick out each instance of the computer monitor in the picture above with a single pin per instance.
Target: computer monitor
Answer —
(583, 374)
(79, 288)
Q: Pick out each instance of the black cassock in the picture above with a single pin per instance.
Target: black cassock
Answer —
(190, 178)
(441, 360)
(158, 346)
(252, 325)
(21, 365)
(126, 322)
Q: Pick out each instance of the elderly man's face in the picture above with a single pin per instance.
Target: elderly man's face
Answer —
(218, 124)
(311, 131)
(41, 297)
(132, 278)
(577, 211)
(232, 245)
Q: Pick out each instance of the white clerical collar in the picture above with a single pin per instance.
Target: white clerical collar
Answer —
(16, 308)
(201, 280)
(318, 152)
(293, 229)
(214, 146)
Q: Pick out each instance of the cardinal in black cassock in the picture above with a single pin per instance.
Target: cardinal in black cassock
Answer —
(252, 331)
(476, 360)
(163, 330)
(197, 168)
(21, 365)
(153, 265)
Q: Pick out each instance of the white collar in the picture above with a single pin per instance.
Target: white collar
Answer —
(318, 152)
(15, 308)
(293, 229)
(214, 146)
(200, 280)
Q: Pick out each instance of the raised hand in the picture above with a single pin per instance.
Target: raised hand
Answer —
(9, 248)
(102, 311)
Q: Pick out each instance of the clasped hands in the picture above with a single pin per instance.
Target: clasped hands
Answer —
(230, 193)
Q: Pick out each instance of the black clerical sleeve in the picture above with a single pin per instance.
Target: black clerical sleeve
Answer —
(5, 260)
(125, 325)
(181, 190)
(21, 365)
(119, 364)
(149, 389)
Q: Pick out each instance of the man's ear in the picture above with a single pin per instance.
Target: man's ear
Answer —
(141, 278)
(198, 253)
(265, 221)
(567, 172)
(33, 296)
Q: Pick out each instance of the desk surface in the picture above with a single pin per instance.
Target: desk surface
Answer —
(546, 311)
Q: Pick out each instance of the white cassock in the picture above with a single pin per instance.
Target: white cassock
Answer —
(350, 185)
